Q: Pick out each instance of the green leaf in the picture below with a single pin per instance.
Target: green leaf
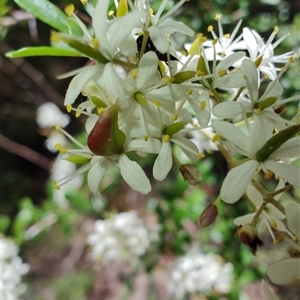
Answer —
(51, 15)
(42, 51)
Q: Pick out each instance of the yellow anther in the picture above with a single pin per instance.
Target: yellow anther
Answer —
(202, 105)
(166, 138)
(227, 35)
(100, 111)
(276, 29)
(95, 43)
(199, 35)
(157, 102)
(54, 37)
(274, 225)
(57, 127)
(210, 28)
(78, 113)
(218, 17)
(161, 67)
(175, 117)
(214, 42)
(62, 150)
(216, 138)
(200, 73)
(134, 73)
(268, 175)
(151, 11)
(275, 242)
(57, 146)
(54, 182)
(294, 238)
(189, 92)
(222, 73)
(183, 52)
(122, 9)
(57, 187)
(266, 77)
(111, 13)
(201, 155)
(84, 2)
(69, 108)
(146, 137)
(69, 10)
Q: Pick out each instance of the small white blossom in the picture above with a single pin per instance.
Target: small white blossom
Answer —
(123, 237)
(197, 272)
(12, 269)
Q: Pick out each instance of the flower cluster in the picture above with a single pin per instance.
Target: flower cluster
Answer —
(12, 269)
(197, 272)
(122, 237)
(142, 96)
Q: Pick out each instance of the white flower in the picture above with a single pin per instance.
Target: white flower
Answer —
(239, 177)
(227, 43)
(12, 269)
(287, 271)
(123, 237)
(259, 49)
(200, 273)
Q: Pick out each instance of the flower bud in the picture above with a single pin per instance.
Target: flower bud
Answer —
(248, 235)
(208, 216)
(106, 138)
(190, 173)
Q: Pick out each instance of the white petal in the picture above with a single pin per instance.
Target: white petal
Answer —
(237, 180)
(269, 295)
(120, 28)
(227, 109)
(289, 149)
(231, 133)
(163, 162)
(134, 175)
(78, 83)
(243, 220)
(251, 43)
(285, 271)
(292, 212)
(151, 146)
(187, 146)
(229, 61)
(147, 68)
(96, 173)
(159, 40)
(232, 80)
(286, 171)
(254, 195)
(170, 26)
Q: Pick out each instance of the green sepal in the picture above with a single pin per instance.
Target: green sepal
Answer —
(42, 51)
(276, 141)
(174, 128)
(184, 76)
(265, 103)
(50, 14)
(85, 49)
(201, 66)
(97, 102)
(77, 159)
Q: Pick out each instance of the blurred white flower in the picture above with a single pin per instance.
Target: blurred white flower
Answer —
(200, 273)
(123, 237)
(12, 269)
(49, 115)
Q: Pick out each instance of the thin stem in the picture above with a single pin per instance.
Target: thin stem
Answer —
(258, 213)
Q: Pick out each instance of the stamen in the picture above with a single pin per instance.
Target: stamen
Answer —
(69, 10)
(203, 104)
(166, 138)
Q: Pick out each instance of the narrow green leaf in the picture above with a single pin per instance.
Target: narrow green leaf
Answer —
(51, 15)
(42, 51)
